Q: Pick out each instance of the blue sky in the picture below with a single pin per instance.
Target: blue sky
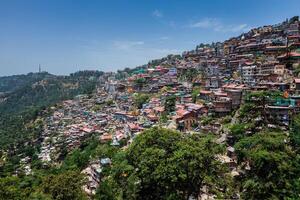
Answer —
(69, 35)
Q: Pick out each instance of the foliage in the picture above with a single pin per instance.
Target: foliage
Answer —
(238, 130)
(56, 183)
(262, 96)
(64, 186)
(205, 120)
(109, 102)
(104, 151)
(274, 167)
(295, 132)
(76, 160)
(163, 117)
(8, 188)
(190, 74)
(163, 164)
(227, 119)
(79, 158)
(140, 82)
(29, 97)
(97, 108)
(297, 70)
(140, 99)
(87, 73)
(105, 190)
(120, 75)
(195, 93)
(46, 92)
(170, 103)
(12, 83)
(21, 187)
(246, 109)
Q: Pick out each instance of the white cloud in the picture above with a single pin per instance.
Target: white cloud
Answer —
(121, 53)
(125, 53)
(157, 13)
(241, 27)
(138, 46)
(218, 26)
(126, 45)
(205, 23)
(164, 38)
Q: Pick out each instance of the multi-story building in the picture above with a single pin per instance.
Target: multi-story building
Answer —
(248, 74)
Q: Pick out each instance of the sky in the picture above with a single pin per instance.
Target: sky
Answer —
(65, 36)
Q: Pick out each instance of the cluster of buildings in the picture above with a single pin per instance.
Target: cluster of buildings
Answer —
(209, 81)
(73, 121)
(265, 58)
(94, 174)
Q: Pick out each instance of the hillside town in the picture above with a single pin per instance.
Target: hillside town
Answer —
(193, 93)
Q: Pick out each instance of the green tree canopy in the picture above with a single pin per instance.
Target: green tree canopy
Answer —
(295, 132)
(140, 98)
(164, 164)
(170, 103)
(271, 167)
(64, 186)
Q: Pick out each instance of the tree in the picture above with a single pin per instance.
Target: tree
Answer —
(76, 160)
(140, 99)
(170, 103)
(164, 164)
(238, 130)
(9, 189)
(195, 93)
(105, 191)
(163, 117)
(190, 74)
(295, 132)
(271, 167)
(20, 187)
(64, 186)
(79, 158)
(105, 151)
(140, 82)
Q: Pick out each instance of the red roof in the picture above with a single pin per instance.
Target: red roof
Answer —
(249, 63)
(152, 117)
(233, 86)
(223, 94)
(275, 47)
(194, 106)
(106, 136)
(87, 130)
(133, 126)
(159, 109)
(295, 54)
(291, 54)
(205, 92)
(297, 80)
(182, 112)
(294, 36)
(147, 110)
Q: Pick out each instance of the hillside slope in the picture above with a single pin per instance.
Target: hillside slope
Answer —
(32, 93)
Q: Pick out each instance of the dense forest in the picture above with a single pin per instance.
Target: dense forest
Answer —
(12, 83)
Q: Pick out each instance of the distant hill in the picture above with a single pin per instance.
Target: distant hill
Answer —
(12, 83)
(24, 96)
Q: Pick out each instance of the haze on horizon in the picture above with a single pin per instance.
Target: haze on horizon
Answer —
(65, 36)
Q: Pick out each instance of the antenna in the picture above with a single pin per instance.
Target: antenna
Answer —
(40, 69)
